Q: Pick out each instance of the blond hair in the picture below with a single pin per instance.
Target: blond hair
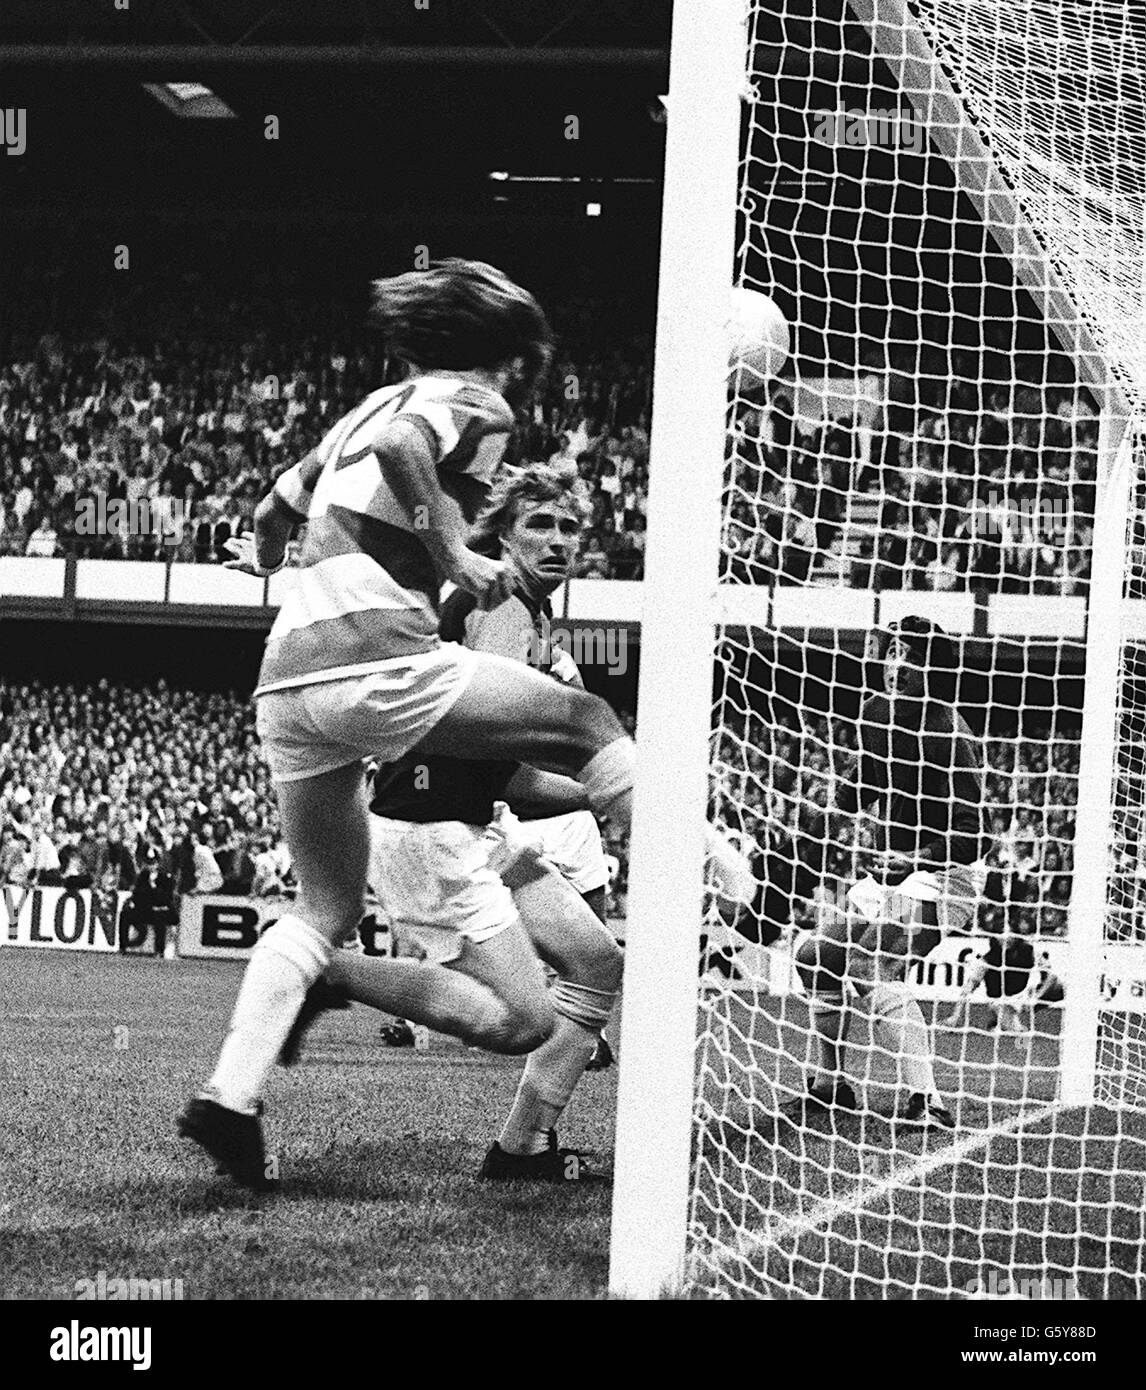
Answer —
(519, 486)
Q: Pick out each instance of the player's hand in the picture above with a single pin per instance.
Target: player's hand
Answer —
(246, 560)
(887, 866)
(490, 581)
(566, 670)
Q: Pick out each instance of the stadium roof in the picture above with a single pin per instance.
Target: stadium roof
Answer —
(379, 101)
(232, 31)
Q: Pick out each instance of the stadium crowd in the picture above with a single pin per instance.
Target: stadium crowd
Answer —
(994, 491)
(188, 436)
(980, 488)
(97, 782)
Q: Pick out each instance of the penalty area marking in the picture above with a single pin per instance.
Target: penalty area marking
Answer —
(864, 1195)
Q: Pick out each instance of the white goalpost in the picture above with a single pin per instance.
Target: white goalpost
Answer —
(690, 396)
(947, 198)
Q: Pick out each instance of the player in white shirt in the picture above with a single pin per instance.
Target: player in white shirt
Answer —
(354, 668)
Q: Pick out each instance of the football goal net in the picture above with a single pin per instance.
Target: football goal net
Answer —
(947, 201)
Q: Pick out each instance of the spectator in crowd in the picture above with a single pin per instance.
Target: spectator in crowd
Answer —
(236, 863)
(208, 878)
(268, 879)
(44, 865)
(151, 907)
(15, 860)
(74, 872)
(43, 540)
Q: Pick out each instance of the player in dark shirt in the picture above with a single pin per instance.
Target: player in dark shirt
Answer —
(916, 788)
(465, 890)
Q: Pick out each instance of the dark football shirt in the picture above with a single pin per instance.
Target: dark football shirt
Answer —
(927, 783)
(426, 788)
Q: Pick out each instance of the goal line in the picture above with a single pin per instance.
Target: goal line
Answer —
(788, 1231)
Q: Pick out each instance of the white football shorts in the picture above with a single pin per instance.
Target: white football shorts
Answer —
(572, 844)
(956, 889)
(310, 729)
(436, 884)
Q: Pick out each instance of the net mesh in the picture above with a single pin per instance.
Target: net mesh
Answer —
(947, 201)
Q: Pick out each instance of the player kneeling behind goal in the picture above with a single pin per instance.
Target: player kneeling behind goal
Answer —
(481, 900)
(919, 774)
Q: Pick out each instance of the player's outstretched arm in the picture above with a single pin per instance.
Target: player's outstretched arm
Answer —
(410, 468)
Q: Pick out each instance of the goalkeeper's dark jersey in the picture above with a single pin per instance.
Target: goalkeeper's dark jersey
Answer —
(927, 784)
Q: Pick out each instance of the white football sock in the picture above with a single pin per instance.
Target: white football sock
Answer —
(287, 960)
(899, 1025)
(550, 1075)
(553, 1071)
(828, 1018)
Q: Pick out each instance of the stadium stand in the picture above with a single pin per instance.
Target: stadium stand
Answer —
(92, 778)
(967, 490)
(181, 773)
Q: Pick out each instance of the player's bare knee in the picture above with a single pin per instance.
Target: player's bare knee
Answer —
(526, 1027)
(604, 967)
(513, 1027)
(597, 962)
(334, 916)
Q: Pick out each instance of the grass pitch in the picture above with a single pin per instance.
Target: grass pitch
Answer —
(1022, 1192)
(377, 1152)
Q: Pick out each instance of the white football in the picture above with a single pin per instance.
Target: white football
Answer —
(759, 337)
